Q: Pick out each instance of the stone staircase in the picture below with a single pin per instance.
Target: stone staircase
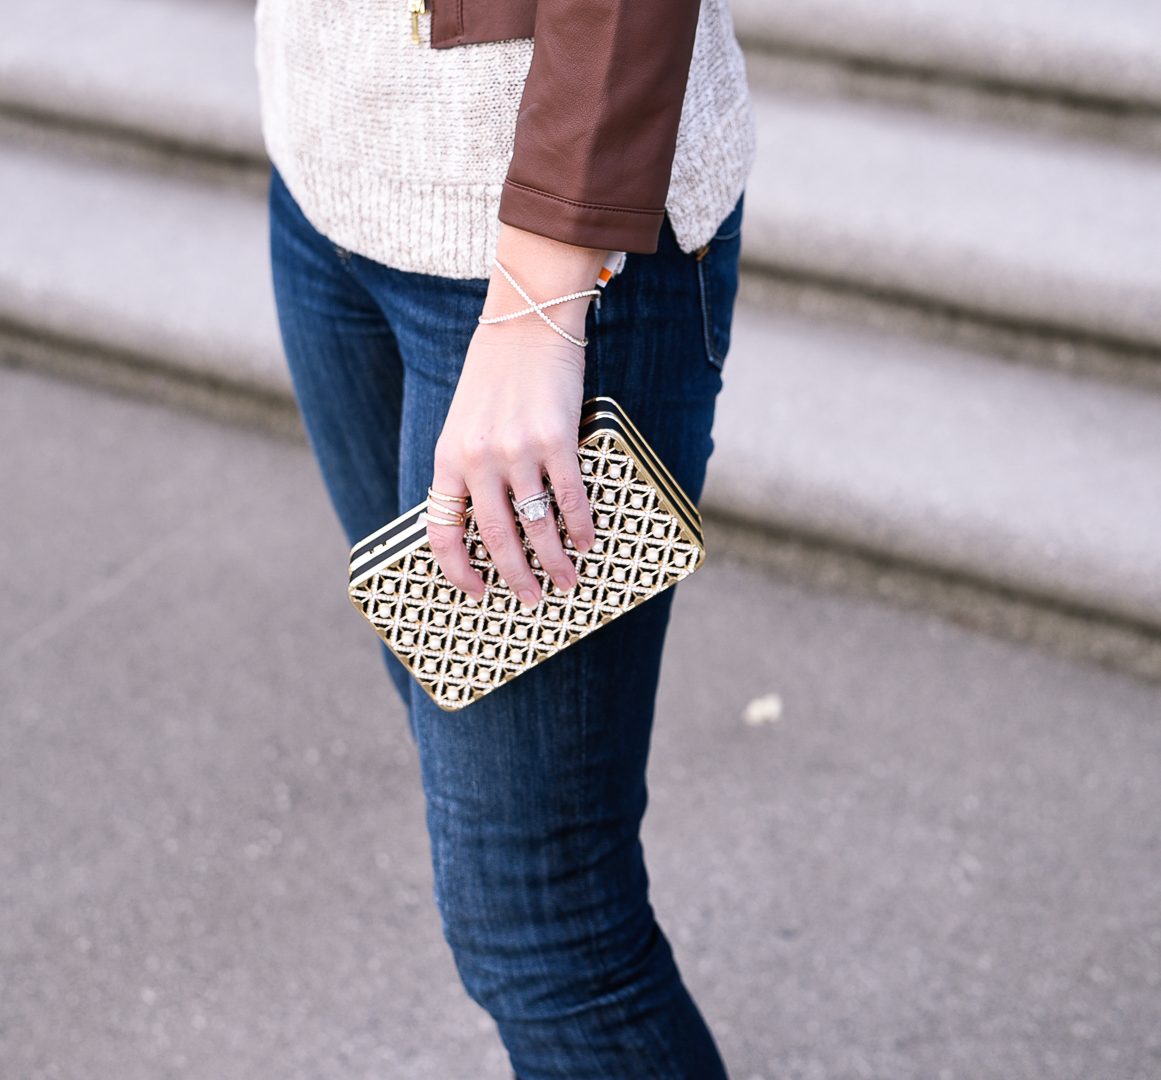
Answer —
(947, 362)
(1078, 54)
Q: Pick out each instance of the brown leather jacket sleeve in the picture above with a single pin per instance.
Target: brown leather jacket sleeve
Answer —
(598, 120)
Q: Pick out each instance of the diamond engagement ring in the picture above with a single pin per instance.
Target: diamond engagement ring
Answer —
(534, 507)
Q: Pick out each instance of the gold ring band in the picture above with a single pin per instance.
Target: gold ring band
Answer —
(458, 519)
(433, 494)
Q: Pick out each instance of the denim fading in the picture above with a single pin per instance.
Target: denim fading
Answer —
(535, 794)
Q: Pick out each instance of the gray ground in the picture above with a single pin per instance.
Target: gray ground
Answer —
(944, 861)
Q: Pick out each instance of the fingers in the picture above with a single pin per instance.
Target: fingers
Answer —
(447, 541)
(497, 527)
(496, 472)
(572, 500)
(543, 534)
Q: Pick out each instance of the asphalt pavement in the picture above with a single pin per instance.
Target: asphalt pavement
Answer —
(942, 861)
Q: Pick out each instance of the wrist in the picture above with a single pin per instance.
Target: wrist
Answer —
(544, 269)
(532, 332)
(544, 261)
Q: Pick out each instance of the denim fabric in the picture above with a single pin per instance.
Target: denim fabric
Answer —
(534, 794)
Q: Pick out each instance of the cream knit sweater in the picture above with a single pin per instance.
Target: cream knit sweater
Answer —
(398, 152)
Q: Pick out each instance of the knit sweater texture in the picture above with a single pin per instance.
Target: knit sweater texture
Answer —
(398, 151)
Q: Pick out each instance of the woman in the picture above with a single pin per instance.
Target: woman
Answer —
(432, 169)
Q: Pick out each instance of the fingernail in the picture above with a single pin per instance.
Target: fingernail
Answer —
(528, 598)
(583, 546)
(563, 584)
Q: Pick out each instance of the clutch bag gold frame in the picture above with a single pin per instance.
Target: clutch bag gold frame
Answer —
(648, 537)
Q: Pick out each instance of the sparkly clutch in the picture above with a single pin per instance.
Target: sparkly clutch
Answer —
(648, 537)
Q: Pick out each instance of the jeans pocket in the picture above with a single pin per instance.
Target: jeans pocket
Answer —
(717, 279)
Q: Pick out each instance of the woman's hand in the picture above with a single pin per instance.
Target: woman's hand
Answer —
(514, 418)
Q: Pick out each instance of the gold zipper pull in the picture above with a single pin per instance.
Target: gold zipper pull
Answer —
(417, 8)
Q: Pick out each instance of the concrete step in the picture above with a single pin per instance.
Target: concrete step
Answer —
(1019, 478)
(866, 197)
(1106, 53)
(1014, 478)
(1024, 229)
(179, 73)
(156, 270)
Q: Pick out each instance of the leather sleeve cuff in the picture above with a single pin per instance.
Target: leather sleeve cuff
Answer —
(606, 228)
(459, 22)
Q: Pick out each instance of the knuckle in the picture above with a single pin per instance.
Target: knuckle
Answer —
(514, 446)
(473, 458)
(472, 452)
(571, 501)
(548, 441)
(494, 535)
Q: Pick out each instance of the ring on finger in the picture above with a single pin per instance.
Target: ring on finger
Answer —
(534, 507)
(451, 500)
(439, 516)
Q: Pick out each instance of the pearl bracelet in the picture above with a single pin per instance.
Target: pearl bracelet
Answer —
(533, 306)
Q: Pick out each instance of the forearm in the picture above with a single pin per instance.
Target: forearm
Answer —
(598, 122)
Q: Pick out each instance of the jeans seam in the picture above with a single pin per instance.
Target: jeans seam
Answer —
(706, 325)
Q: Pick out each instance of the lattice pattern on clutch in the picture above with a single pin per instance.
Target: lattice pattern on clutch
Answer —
(648, 538)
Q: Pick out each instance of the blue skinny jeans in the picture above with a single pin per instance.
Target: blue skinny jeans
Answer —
(535, 794)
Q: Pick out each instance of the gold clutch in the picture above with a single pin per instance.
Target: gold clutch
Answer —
(648, 537)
